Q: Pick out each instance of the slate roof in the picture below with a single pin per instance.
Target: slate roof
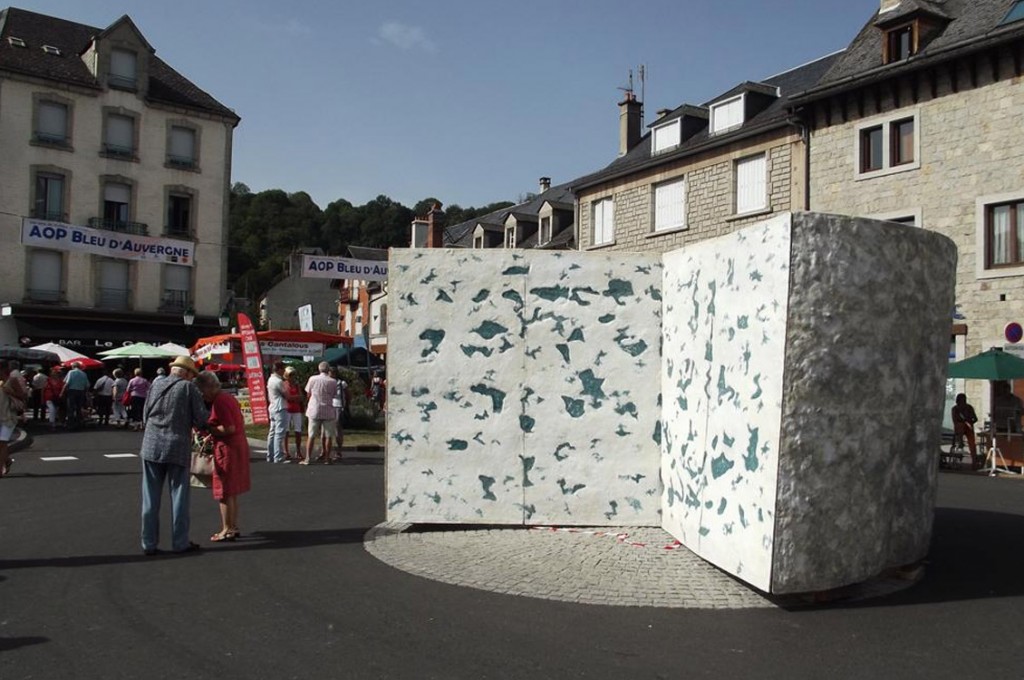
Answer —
(461, 235)
(364, 253)
(775, 115)
(909, 7)
(973, 24)
(72, 39)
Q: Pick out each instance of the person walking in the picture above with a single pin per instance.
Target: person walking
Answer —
(230, 453)
(138, 388)
(103, 389)
(76, 382)
(293, 405)
(52, 396)
(323, 417)
(341, 397)
(8, 419)
(277, 400)
(39, 381)
(120, 390)
(964, 419)
(174, 407)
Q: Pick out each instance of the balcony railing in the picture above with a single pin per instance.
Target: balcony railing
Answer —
(122, 82)
(174, 301)
(118, 151)
(112, 298)
(48, 216)
(181, 162)
(49, 139)
(44, 295)
(117, 225)
(178, 232)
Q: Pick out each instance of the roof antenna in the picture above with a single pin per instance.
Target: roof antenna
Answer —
(642, 68)
(628, 89)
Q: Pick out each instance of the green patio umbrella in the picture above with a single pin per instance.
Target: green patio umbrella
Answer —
(994, 364)
(139, 350)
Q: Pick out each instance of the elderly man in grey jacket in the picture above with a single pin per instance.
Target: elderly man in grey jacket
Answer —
(174, 406)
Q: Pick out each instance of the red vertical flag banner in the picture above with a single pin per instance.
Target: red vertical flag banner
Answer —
(253, 361)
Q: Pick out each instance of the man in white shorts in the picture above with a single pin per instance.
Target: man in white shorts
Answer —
(321, 389)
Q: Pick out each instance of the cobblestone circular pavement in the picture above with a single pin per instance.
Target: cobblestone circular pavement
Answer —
(623, 566)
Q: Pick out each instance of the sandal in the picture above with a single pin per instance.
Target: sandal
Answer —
(223, 536)
(7, 467)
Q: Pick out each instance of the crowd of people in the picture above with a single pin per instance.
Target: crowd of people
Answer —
(324, 400)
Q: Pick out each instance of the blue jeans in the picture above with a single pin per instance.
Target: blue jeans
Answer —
(153, 475)
(75, 404)
(275, 436)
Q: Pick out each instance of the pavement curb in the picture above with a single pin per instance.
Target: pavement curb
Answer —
(261, 445)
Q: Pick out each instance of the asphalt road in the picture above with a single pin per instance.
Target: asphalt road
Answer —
(298, 597)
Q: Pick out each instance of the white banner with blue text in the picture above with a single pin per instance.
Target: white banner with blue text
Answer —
(327, 267)
(61, 236)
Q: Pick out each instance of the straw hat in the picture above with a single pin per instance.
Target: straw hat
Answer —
(186, 363)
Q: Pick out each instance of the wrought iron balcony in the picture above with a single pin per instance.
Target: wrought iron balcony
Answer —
(112, 298)
(50, 139)
(48, 216)
(117, 225)
(44, 295)
(121, 82)
(178, 232)
(174, 301)
(118, 151)
(182, 162)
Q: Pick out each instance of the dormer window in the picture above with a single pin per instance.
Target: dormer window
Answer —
(900, 43)
(510, 237)
(666, 137)
(726, 115)
(478, 241)
(545, 230)
(16, 42)
(50, 49)
(123, 72)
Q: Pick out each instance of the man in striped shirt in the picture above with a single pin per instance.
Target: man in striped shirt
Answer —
(323, 416)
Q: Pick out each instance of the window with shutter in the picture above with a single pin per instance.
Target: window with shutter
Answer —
(52, 123)
(120, 135)
(182, 149)
(726, 115)
(670, 205)
(751, 189)
(177, 284)
(117, 202)
(666, 136)
(122, 69)
(113, 284)
(45, 276)
(179, 215)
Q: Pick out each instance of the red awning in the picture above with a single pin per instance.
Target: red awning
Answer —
(277, 336)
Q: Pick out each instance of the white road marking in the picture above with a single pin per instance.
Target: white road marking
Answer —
(119, 455)
(53, 459)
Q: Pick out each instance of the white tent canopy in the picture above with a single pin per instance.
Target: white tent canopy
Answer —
(65, 353)
(177, 349)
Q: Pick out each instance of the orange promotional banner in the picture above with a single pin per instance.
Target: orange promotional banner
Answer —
(253, 361)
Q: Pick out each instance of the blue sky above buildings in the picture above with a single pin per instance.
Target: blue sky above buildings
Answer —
(466, 100)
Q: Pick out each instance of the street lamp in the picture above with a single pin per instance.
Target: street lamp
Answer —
(189, 317)
(224, 319)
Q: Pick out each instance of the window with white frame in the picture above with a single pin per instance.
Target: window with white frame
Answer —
(666, 137)
(887, 146)
(52, 123)
(545, 230)
(46, 276)
(510, 237)
(123, 69)
(478, 241)
(1004, 234)
(751, 176)
(727, 114)
(670, 205)
(419, 234)
(603, 220)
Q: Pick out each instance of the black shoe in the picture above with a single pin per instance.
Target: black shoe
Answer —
(149, 552)
(192, 547)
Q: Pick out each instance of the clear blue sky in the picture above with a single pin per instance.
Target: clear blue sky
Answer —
(467, 100)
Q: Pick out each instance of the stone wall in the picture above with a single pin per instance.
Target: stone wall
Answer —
(970, 148)
(710, 200)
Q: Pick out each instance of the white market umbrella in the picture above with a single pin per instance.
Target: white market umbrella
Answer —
(61, 351)
(178, 350)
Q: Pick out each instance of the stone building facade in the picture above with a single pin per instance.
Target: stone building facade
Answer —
(958, 92)
(108, 143)
(699, 166)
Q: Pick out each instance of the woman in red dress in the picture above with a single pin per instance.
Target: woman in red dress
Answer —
(230, 453)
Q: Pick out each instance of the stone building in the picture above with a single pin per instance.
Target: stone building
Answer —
(363, 305)
(918, 121)
(113, 213)
(701, 171)
(279, 306)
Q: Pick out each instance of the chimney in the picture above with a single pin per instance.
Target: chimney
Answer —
(629, 123)
(435, 227)
(888, 5)
(545, 184)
